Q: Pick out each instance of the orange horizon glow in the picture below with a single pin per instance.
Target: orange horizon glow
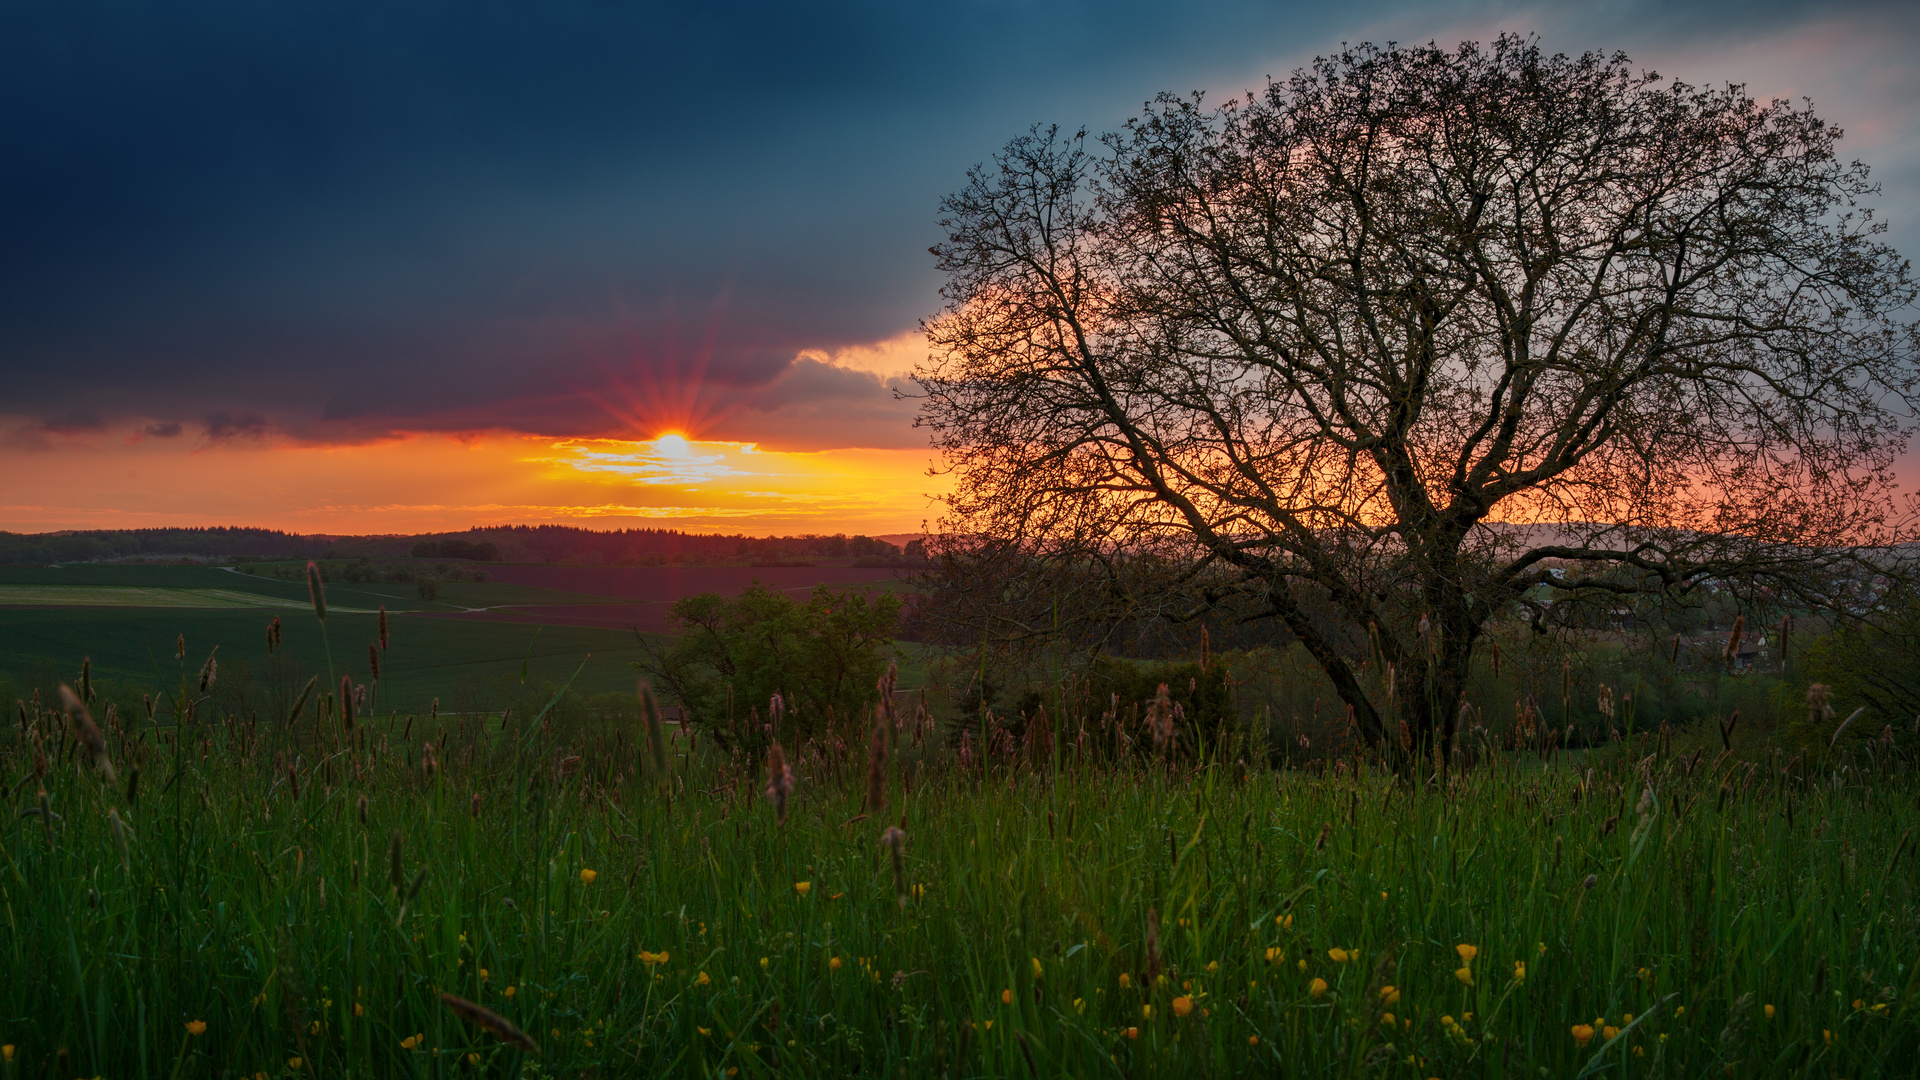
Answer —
(432, 483)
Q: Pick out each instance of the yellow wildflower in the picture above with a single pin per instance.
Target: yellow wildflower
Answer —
(1126, 980)
(1253, 1040)
(6, 1052)
(765, 964)
(1036, 967)
(1769, 1012)
(803, 887)
(1609, 1032)
(1583, 1033)
(509, 991)
(473, 1059)
(1387, 1019)
(1827, 1035)
(294, 1064)
(1146, 1012)
(1182, 1005)
(1519, 971)
(1006, 997)
(587, 876)
(358, 1010)
(1389, 996)
(1467, 953)
(409, 1042)
(1133, 1033)
(1213, 967)
(1465, 975)
(702, 980)
(833, 964)
(1338, 956)
(1275, 954)
(1303, 963)
(1318, 987)
(196, 1027)
(703, 1031)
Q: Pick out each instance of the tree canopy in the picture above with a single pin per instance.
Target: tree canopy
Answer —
(1382, 348)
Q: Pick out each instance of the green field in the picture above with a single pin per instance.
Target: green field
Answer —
(133, 649)
(154, 586)
(1675, 916)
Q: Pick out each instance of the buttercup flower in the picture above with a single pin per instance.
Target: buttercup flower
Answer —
(1182, 1005)
(1467, 953)
(833, 964)
(1465, 975)
(1519, 971)
(703, 980)
(587, 876)
(1769, 1011)
(1318, 987)
(1583, 1033)
(196, 1027)
(1125, 980)
(1036, 967)
(1006, 997)
(803, 887)
(1338, 956)
(1389, 996)
(1133, 1033)
(1275, 954)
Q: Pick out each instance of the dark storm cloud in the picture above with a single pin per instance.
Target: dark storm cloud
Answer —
(345, 219)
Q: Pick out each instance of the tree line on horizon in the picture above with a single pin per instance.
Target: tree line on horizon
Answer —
(513, 543)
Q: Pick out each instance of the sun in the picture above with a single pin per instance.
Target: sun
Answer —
(672, 444)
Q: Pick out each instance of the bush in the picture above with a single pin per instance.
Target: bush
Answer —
(824, 657)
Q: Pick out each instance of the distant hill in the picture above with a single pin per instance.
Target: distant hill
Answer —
(512, 543)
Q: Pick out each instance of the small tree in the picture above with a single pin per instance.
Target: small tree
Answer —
(1414, 332)
(732, 655)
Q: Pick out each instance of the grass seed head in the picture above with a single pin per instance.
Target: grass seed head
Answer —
(346, 702)
(209, 670)
(363, 810)
(895, 841)
(1733, 639)
(395, 874)
(383, 629)
(656, 737)
(373, 660)
(877, 765)
(779, 781)
(316, 590)
(85, 732)
(491, 1022)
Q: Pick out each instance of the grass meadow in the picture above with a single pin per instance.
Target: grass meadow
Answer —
(248, 898)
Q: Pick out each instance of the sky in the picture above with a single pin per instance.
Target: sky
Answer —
(354, 267)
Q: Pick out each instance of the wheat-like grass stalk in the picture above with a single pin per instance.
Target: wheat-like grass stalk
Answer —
(210, 670)
(779, 781)
(85, 732)
(491, 1022)
(316, 591)
(656, 738)
(895, 841)
(877, 764)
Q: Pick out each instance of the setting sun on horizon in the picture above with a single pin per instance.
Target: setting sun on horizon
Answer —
(425, 483)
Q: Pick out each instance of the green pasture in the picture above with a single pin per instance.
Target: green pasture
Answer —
(293, 904)
(132, 652)
(146, 585)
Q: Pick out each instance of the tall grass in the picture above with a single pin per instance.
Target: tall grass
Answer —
(308, 896)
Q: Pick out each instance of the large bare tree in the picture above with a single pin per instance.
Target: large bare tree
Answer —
(1416, 331)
